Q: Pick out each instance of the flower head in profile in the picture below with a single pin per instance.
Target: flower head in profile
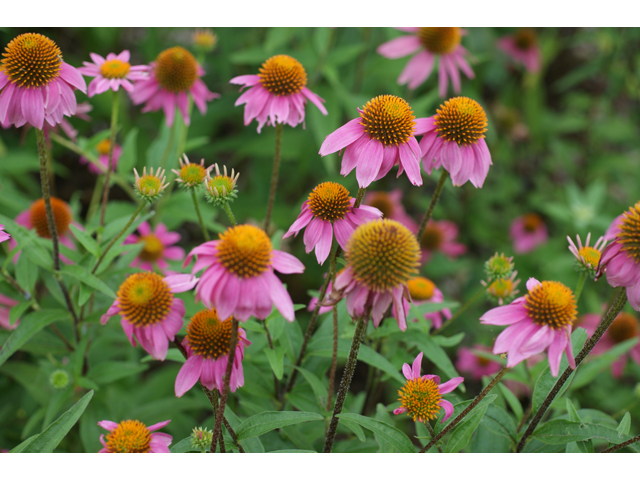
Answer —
(624, 327)
(383, 136)
(424, 291)
(499, 266)
(328, 210)
(587, 257)
(421, 396)
(133, 436)
(442, 43)
(4, 236)
(150, 187)
(382, 255)
(35, 84)
(540, 320)
(454, 139)
(221, 189)
(528, 232)
(239, 279)
(476, 365)
(159, 246)
(112, 72)
(6, 304)
(149, 311)
(620, 260)
(191, 175)
(523, 48)
(172, 78)
(503, 289)
(103, 157)
(440, 236)
(278, 94)
(390, 204)
(207, 344)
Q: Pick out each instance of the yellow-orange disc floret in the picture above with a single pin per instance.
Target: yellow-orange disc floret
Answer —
(61, 216)
(32, 60)
(552, 304)
(114, 69)
(531, 222)
(502, 288)
(461, 120)
(208, 336)
(176, 69)
(383, 254)
(421, 397)
(130, 436)
(103, 147)
(440, 40)
(329, 201)
(629, 235)
(591, 256)
(245, 250)
(624, 327)
(282, 75)
(421, 288)
(388, 119)
(144, 299)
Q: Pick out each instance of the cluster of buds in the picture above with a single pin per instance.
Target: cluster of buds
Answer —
(499, 266)
(149, 187)
(204, 40)
(201, 438)
(221, 189)
(501, 278)
(191, 175)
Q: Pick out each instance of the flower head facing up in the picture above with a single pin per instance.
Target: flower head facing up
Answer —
(133, 436)
(191, 175)
(3, 235)
(587, 257)
(541, 319)
(150, 187)
(207, 344)
(278, 93)
(390, 204)
(36, 84)
(430, 43)
(422, 290)
(172, 78)
(383, 136)
(440, 236)
(158, 247)
(454, 139)
(421, 396)
(103, 157)
(239, 278)
(528, 232)
(221, 189)
(382, 255)
(149, 311)
(328, 210)
(523, 48)
(112, 73)
(503, 289)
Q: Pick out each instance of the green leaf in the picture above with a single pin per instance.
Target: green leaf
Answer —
(458, 409)
(19, 448)
(267, 421)
(461, 436)
(319, 389)
(26, 273)
(498, 421)
(625, 424)
(172, 354)
(572, 412)
(276, 357)
(28, 327)
(512, 400)
(85, 239)
(48, 440)
(419, 311)
(391, 434)
(438, 356)
(129, 158)
(82, 274)
(16, 312)
(292, 450)
(354, 427)
(561, 431)
(448, 341)
(184, 446)
(108, 372)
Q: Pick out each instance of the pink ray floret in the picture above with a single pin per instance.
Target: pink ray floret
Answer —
(528, 232)
(445, 236)
(530, 57)
(436, 318)
(4, 312)
(470, 362)
(103, 158)
(159, 247)
(4, 236)
(101, 84)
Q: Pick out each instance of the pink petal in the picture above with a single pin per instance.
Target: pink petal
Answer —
(451, 385)
(400, 47)
(188, 375)
(343, 136)
(285, 262)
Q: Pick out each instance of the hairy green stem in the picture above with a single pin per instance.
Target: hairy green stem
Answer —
(434, 201)
(230, 215)
(274, 176)
(580, 286)
(462, 308)
(225, 388)
(334, 353)
(112, 142)
(7, 276)
(612, 313)
(205, 233)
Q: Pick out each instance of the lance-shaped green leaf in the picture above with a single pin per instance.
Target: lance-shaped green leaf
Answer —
(391, 434)
(267, 421)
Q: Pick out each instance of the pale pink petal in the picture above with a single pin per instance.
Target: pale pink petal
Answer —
(399, 47)
(188, 375)
(285, 262)
(451, 385)
(343, 136)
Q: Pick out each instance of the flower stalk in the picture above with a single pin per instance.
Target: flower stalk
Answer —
(205, 233)
(274, 176)
(434, 200)
(112, 142)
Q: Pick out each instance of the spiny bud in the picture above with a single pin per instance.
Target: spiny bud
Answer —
(59, 379)
(150, 187)
(191, 175)
(201, 438)
(503, 289)
(221, 189)
(499, 266)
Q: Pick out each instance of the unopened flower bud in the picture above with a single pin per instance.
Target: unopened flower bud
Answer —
(201, 438)
(221, 189)
(499, 266)
(150, 187)
(59, 379)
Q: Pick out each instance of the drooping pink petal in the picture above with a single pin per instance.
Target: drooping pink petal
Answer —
(451, 385)
(188, 375)
(399, 47)
(448, 409)
(343, 136)
(367, 169)
(286, 263)
(279, 296)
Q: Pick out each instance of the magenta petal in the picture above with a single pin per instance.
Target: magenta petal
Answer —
(33, 107)
(448, 409)
(410, 160)
(181, 282)
(323, 247)
(279, 296)
(312, 234)
(158, 426)
(451, 385)
(505, 315)
(367, 169)
(417, 366)
(556, 348)
(343, 136)
(188, 375)
(343, 230)
(285, 262)
(400, 47)
(226, 296)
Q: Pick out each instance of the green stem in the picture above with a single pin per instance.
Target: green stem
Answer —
(205, 233)
(274, 176)
(14, 284)
(464, 413)
(112, 142)
(433, 434)
(217, 427)
(434, 200)
(622, 445)
(609, 317)
(117, 237)
(334, 353)
(359, 197)
(227, 210)
(580, 286)
(95, 198)
(463, 308)
(345, 383)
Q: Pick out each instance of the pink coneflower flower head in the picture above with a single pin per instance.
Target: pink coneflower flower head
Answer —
(440, 236)
(278, 94)
(623, 328)
(172, 78)
(383, 136)
(503, 289)
(4, 236)
(587, 257)
(133, 436)
(4, 312)
(421, 396)
(454, 139)
(422, 290)
(523, 48)
(103, 156)
(35, 84)
(390, 204)
(621, 258)
(158, 247)
(432, 42)
(329, 210)
(112, 72)
(207, 344)
(475, 365)
(541, 319)
(382, 255)
(239, 278)
(528, 232)
(149, 310)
